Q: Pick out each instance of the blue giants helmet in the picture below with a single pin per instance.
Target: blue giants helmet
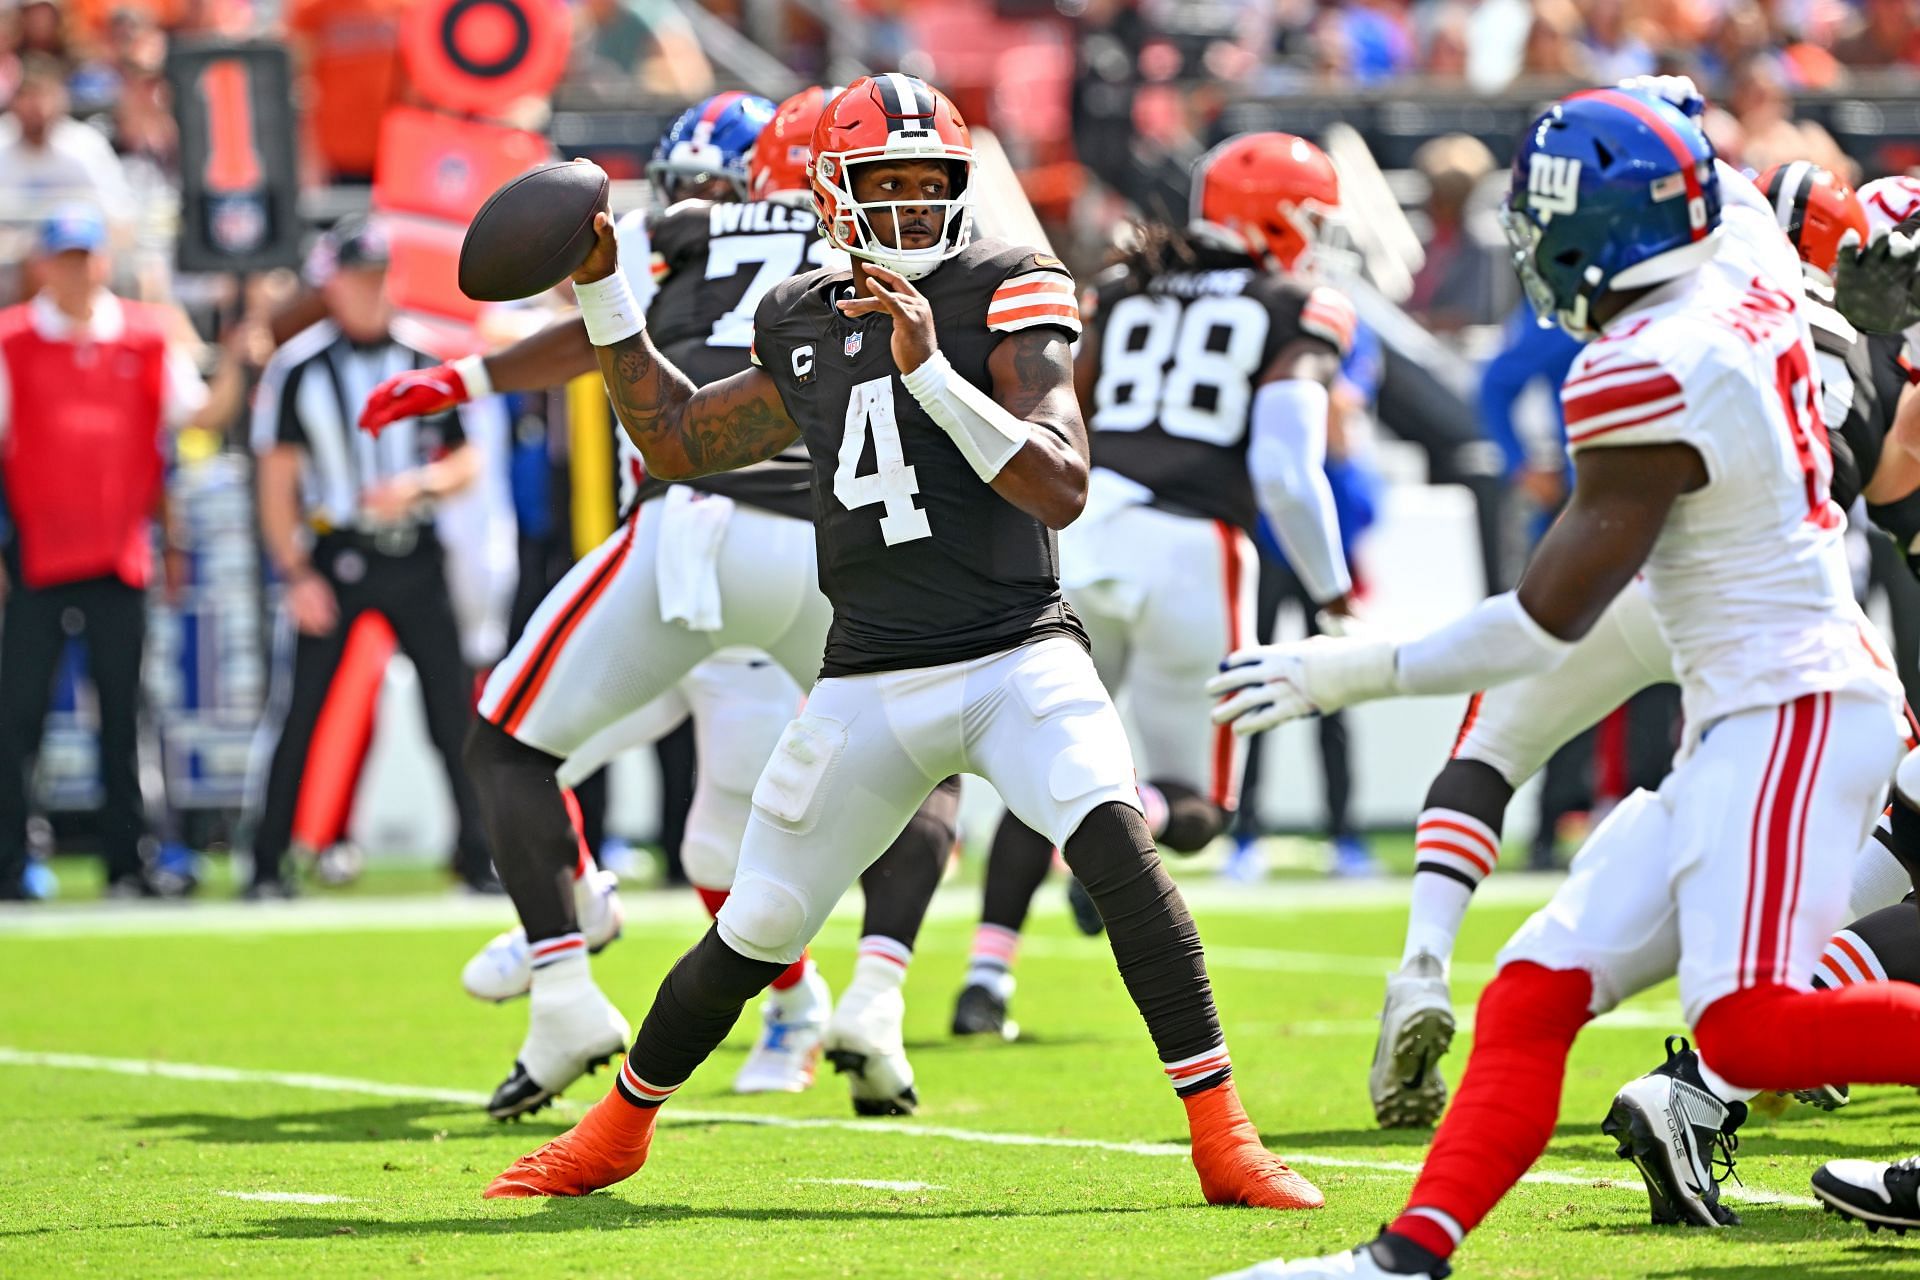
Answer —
(710, 140)
(1611, 190)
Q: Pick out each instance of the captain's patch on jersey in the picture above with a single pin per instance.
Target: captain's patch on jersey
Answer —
(1036, 297)
(1553, 185)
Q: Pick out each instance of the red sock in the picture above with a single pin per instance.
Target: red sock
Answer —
(789, 977)
(1503, 1116)
(583, 863)
(1773, 1037)
(794, 973)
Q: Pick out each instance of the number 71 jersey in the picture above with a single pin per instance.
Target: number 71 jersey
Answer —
(1181, 353)
(924, 563)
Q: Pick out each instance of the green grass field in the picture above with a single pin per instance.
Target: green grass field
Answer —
(215, 1090)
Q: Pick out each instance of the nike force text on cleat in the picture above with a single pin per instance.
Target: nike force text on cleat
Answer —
(1681, 1138)
(1880, 1195)
(793, 1024)
(864, 1044)
(1416, 1028)
(566, 1039)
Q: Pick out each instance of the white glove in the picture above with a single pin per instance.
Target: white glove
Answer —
(1678, 92)
(1272, 684)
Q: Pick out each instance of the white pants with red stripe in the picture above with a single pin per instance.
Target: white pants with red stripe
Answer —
(1516, 727)
(1735, 873)
(740, 700)
(1034, 721)
(1164, 598)
(597, 650)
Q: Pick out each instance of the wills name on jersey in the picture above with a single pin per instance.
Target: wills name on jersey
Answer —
(924, 563)
(712, 263)
(1181, 354)
(1748, 577)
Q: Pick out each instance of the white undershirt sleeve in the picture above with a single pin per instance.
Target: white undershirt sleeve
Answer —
(1496, 642)
(1286, 459)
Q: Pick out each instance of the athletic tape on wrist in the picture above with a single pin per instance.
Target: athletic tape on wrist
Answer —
(986, 434)
(611, 311)
(474, 378)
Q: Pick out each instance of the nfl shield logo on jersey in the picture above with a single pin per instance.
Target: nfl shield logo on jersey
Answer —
(852, 346)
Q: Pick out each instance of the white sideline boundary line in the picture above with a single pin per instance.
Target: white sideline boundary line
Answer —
(207, 1073)
(286, 1197)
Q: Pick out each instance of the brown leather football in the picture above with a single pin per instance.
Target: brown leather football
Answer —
(532, 233)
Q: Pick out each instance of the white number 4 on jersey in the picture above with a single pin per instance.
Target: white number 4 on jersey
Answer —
(893, 483)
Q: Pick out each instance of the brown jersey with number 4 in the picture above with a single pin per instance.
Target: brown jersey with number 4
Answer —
(924, 563)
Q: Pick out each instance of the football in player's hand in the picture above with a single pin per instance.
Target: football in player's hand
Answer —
(532, 233)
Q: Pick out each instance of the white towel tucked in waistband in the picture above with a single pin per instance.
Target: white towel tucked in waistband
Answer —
(687, 564)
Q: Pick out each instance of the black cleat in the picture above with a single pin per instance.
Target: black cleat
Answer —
(982, 1011)
(521, 1095)
(1880, 1195)
(1681, 1138)
(1086, 916)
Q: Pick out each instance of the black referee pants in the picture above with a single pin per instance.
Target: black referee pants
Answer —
(410, 589)
(115, 619)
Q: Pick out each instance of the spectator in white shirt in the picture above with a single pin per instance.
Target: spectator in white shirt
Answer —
(50, 159)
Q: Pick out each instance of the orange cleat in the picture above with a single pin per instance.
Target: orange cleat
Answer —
(609, 1144)
(1234, 1167)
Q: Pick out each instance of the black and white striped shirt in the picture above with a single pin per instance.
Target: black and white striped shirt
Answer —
(310, 395)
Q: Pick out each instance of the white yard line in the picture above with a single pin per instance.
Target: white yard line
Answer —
(679, 1115)
(323, 913)
(286, 1197)
(871, 1184)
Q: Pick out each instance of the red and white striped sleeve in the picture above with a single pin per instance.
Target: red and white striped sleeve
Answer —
(1329, 315)
(1623, 397)
(1034, 298)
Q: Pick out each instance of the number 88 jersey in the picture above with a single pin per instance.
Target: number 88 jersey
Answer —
(1181, 353)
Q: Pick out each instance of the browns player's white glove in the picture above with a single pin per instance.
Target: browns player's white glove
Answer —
(1272, 684)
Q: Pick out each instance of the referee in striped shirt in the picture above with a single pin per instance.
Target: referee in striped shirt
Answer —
(347, 520)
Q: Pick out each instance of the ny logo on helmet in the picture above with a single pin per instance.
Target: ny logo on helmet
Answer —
(1553, 185)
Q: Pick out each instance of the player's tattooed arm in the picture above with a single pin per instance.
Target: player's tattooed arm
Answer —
(683, 431)
(1033, 379)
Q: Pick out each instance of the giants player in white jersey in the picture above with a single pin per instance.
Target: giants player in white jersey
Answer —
(620, 648)
(1510, 731)
(1700, 459)
(1205, 378)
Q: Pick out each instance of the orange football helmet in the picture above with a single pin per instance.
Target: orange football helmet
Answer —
(891, 117)
(1265, 194)
(777, 166)
(1817, 211)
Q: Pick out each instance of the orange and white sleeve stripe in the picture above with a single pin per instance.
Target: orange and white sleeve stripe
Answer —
(1328, 314)
(1035, 297)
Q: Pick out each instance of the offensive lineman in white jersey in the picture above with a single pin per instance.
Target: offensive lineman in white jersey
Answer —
(1700, 457)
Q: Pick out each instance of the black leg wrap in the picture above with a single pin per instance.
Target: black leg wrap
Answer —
(1903, 837)
(1153, 936)
(1472, 788)
(1893, 935)
(695, 1008)
(899, 886)
(527, 827)
(1016, 867)
(1192, 819)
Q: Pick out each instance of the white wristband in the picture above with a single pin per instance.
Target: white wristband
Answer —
(473, 376)
(611, 311)
(986, 434)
